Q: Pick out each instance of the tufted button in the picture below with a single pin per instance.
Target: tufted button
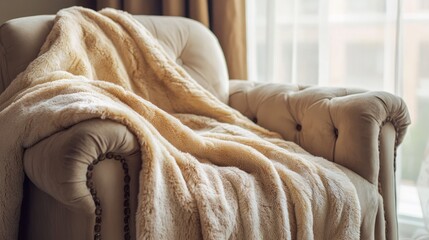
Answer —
(179, 61)
(336, 132)
(298, 127)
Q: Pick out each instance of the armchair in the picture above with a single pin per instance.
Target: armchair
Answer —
(82, 182)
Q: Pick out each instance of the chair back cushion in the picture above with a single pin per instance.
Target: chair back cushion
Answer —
(186, 41)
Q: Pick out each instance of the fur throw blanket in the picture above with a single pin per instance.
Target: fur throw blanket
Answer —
(208, 172)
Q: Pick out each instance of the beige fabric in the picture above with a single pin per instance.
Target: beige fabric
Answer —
(53, 156)
(182, 39)
(19, 45)
(226, 18)
(355, 115)
(228, 178)
(58, 164)
(387, 178)
(354, 128)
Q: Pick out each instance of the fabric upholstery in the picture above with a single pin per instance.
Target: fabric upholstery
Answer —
(20, 42)
(226, 18)
(195, 161)
(58, 193)
(357, 129)
(77, 147)
(53, 173)
(181, 38)
(336, 123)
(17, 35)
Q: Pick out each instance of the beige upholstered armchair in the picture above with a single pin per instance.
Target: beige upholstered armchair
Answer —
(82, 182)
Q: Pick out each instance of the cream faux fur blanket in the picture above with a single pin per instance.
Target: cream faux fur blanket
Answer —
(208, 172)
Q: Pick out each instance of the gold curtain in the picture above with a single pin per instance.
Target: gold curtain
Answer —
(226, 18)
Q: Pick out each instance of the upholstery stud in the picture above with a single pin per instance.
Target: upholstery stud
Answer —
(97, 228)
(127, 179)
(127, 211)
(101, 157)
(109, 155)
(90, 184)
(93, 192)
(98, 211)
(97, 201)
(97, 236)
(127, 236)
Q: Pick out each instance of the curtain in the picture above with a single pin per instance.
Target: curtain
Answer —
(225, 18)
(369, 44)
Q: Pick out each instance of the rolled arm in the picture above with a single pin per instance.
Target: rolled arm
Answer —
(58, 165)
(67, 167)
(357, 129)
(342, 125)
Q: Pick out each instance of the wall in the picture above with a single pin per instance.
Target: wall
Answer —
(19, 8)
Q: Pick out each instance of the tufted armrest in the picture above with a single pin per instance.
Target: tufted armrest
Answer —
(357, 129)
(339, 124)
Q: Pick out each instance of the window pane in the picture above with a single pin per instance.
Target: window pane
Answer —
(415, 74)
(310, 7)
(423, 62)
(284, 66)
(357, 55)
(366, 6)
(307, 63)
(358, 7)
(415, 6)
(364, 64)
(284, 9)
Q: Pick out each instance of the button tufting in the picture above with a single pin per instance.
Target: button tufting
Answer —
(298, 127)
(336, 132)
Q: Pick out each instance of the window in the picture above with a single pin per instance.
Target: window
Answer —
(365, 6)
(364, 44)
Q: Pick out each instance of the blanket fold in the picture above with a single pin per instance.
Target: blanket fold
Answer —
(208, 172)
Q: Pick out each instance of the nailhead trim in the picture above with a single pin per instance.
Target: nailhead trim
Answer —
(98, 209)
